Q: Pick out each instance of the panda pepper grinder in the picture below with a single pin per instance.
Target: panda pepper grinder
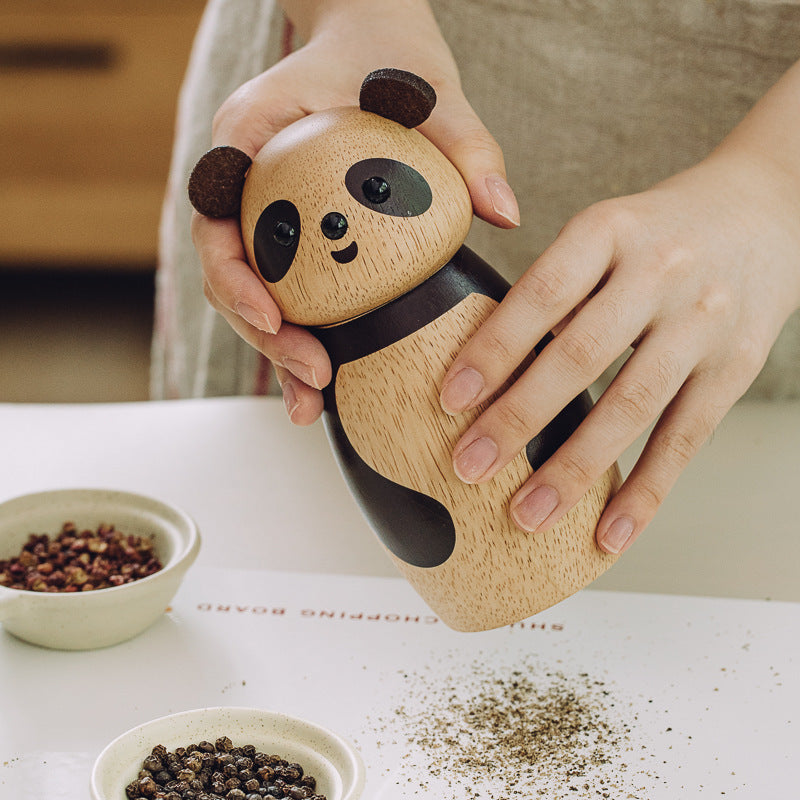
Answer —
(355, 223)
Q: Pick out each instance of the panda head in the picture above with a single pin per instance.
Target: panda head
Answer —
(345, 209)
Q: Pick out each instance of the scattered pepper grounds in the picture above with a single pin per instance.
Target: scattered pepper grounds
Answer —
(220, 771)
(80, 561)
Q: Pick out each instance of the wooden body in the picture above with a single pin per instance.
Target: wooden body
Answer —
(355, 224)
(454, 542)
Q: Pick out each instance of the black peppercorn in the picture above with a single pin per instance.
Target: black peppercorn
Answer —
(219, 771)
(152, 763)
(193, 763)
(147, 787)
(266, 773)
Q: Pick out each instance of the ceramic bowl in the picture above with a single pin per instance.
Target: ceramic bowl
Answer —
(333, 761)
(102, 617)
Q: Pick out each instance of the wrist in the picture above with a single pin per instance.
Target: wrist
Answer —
(310, 17)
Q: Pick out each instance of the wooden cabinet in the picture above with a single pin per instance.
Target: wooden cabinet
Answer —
(88, 94)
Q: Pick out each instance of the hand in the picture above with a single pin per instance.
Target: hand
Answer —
(345, 43)
(698, 274)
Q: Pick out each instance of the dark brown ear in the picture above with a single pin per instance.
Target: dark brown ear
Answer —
(217, 180)
(398, 95)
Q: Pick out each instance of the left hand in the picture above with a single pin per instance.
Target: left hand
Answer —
(698, 274)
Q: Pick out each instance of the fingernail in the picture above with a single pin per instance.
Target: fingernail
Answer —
(503, 200)
(530, 512)
(618, 535)
(475, 460)
(258, 319)
(301, 370)
(289, 398)
(459, 392)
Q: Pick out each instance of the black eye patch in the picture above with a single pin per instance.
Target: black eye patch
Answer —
(275, 239)
(389, 187)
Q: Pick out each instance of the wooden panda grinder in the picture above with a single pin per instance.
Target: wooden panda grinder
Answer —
(355, 223)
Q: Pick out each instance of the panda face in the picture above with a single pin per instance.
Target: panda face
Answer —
(344, 210)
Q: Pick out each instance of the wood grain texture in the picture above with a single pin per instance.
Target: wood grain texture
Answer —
(306, 164)
(497, 574)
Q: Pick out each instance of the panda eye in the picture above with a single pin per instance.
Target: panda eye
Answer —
(285, 234)
(276, 238)
(388, 187)
(376, 190)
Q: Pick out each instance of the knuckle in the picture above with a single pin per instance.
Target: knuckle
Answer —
(577, 468)
(496, 349)
(242, 120)
(541, 289)
(612, 217)
(649, 491)
(671, 260)
(678, 447)
(632, 400)
(582, 351)
(714, 301)
(477, 141)
(513, 419)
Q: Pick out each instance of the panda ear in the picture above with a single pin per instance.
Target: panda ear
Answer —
(217, 181)
(397, 95)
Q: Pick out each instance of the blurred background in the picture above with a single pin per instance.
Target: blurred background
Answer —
(88, 93)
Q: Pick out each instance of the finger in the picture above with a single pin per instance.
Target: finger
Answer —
(558, 281)
(234, 285)
(645, 386)
(293, 348)
(567, 365)
(458, 132)
(303, 403)
(681, 431)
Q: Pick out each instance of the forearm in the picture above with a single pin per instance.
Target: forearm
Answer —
(771, 130)
(308, 16)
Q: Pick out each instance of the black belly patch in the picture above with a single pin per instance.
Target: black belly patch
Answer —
(413, 526)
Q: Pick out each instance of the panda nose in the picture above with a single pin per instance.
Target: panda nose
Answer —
(334, 225)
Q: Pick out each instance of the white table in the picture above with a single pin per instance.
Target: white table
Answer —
(730, 528)
(711, 685)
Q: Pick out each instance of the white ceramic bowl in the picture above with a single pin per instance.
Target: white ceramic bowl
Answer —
(102, 617)
(333, 761)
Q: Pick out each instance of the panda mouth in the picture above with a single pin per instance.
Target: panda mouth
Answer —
(347, 255)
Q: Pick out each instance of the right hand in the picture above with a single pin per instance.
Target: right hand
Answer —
(344, 44)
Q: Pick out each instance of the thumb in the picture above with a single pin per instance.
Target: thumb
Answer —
(458, 132)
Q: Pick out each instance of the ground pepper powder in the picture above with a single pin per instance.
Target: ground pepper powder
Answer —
(495, 733)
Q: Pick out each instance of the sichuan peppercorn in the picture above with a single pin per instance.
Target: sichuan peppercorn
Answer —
(82, 561)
